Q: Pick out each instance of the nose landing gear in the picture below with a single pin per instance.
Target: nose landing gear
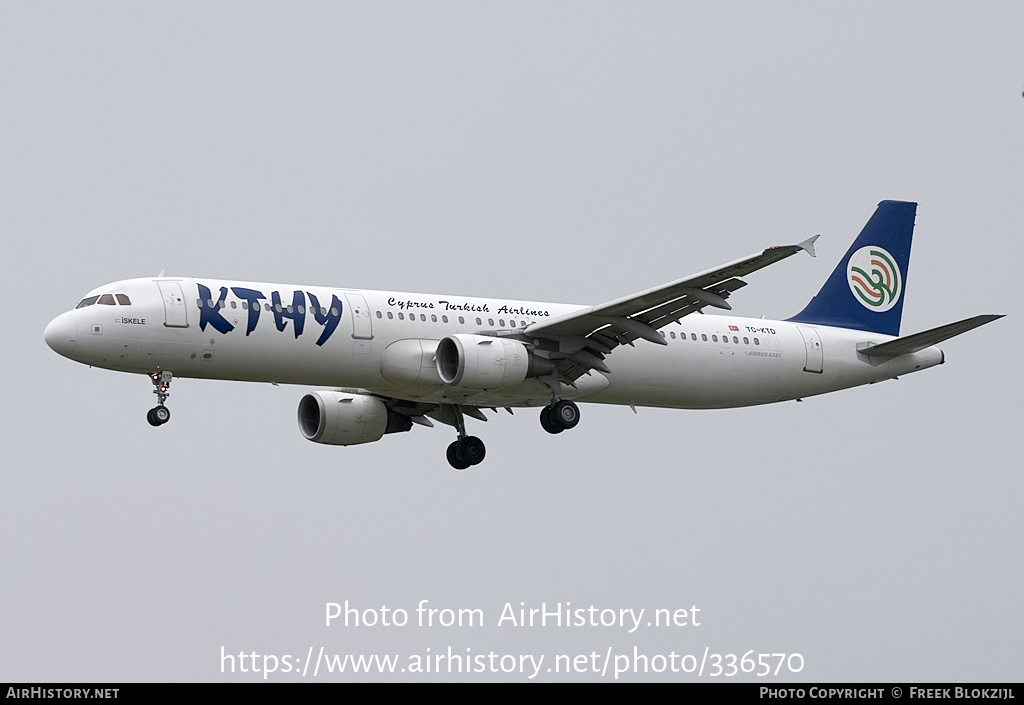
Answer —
(160, 414)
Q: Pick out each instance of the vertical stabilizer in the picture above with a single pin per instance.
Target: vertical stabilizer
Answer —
(865, 291)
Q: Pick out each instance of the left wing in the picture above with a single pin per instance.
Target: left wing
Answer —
(579, 341)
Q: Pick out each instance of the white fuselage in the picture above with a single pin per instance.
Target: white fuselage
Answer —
(384, 342)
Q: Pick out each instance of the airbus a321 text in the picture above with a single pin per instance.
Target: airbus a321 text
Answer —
(390, 360)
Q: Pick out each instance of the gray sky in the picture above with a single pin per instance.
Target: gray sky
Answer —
(543, 151)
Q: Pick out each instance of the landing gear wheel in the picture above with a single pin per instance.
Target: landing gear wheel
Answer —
(560, 416)
(472, 450)
(565, 414)
(158, 415)
(547, 423)
(454, 458)
(465, 452)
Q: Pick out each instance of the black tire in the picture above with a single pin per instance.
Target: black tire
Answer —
(564, 414)
(161, 414)
(472, 450)
(546, 423)
(454, 458)
(151, 417)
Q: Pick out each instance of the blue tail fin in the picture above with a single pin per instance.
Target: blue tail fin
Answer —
(865, 291)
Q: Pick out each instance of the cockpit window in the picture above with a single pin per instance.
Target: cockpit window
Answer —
(106, 300)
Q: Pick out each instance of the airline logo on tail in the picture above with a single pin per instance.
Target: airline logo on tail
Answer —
(874, 278)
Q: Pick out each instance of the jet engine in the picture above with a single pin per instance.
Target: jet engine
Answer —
(482, 362)
(341, 419)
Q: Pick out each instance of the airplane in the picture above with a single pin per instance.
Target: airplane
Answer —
(391, 360)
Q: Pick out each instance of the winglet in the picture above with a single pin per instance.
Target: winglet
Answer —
(808, 245)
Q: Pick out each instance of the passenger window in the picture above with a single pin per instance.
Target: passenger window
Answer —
(756, 341)
(401, 316)
(444, 319)
(735, 340)
(746, 340)
(107, 300)
(378, 314)
(433, 318)
(234, 304)
(672, 335)
(693, 336)
(391, 316)
(704, 337)
(490, 322)
(714, 338)
(479, 322)
(335, 312)
(423, 317)
(123, 300)
(87, 302)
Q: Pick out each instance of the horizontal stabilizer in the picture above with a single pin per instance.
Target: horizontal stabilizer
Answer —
(925, 339)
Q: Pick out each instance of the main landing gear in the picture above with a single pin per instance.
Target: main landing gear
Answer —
(160, 414)
(559, 416)
(556, 417)
(467, 450)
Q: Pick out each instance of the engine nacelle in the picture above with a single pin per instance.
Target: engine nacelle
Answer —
(341, 419)
(482, 362)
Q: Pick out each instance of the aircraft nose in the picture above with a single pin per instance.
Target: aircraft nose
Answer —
(60, 334)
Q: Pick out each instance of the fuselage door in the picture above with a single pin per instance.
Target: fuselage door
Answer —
(175, 313)
(362, 328)
(812, 344)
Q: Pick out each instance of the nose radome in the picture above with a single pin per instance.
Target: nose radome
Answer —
(60, 334)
